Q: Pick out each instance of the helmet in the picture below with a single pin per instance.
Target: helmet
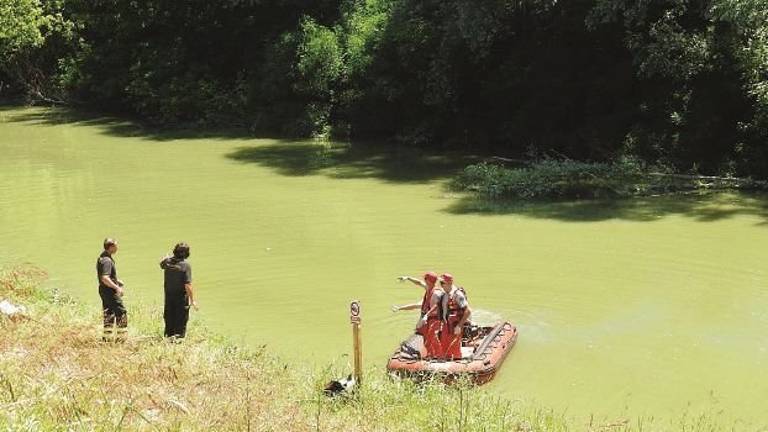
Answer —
(430, 277)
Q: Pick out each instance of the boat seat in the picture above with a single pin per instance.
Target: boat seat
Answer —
(466, 352)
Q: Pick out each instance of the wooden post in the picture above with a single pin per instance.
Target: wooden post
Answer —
(354, 318)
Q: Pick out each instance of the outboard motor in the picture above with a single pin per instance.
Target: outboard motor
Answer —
(339, 387)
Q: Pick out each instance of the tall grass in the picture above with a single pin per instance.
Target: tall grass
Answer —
(56, 375)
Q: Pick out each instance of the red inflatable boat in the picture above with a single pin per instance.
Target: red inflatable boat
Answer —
(483, 351)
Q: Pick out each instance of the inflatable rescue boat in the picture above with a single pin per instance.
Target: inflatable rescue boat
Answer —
(483, 351)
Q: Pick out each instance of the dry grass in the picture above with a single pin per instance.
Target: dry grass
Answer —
(56, 374)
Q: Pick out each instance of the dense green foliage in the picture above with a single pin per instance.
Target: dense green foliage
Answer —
(37, 48)
(672, 81)
(19, 26)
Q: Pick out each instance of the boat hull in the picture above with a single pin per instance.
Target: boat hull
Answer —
(489, 349)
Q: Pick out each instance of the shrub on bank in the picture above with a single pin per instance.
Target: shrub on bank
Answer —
(560, 179)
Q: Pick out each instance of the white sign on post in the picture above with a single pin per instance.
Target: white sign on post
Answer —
(354, 317)
(354, 311)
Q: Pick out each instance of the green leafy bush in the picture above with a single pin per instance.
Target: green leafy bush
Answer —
(553, 179)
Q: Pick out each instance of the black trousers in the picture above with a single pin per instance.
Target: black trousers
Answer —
(115, 314)
(176, 315)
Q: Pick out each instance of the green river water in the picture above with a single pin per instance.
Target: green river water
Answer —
(652, 307)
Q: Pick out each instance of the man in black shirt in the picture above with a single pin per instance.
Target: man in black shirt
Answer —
(111, 293)
(179, 295)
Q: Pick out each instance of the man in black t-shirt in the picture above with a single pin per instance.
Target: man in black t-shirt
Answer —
(111, 293)
(179, 296)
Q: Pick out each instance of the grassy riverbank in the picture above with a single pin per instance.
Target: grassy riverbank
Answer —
(55, 374)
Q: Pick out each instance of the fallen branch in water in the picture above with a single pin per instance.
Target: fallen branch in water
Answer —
(732, 180)
(570, 179)
(698, 177)
(506, 160)
(38, 95)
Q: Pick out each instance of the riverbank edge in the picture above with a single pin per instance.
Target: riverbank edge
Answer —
(490, 181)
(56, 374)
